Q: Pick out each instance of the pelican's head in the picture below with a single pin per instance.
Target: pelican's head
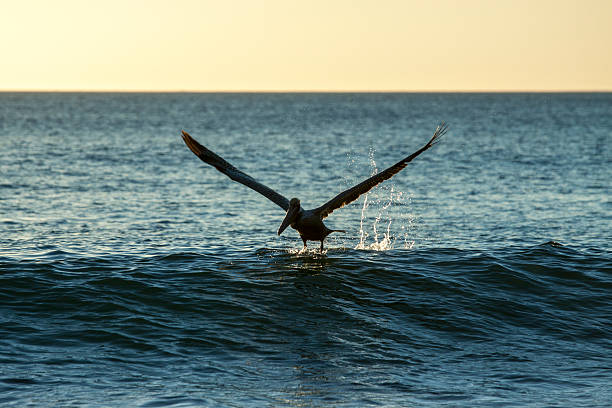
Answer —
(292, 213)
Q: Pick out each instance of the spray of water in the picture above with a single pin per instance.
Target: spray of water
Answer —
(386, 241)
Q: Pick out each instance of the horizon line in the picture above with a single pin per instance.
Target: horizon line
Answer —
(306, 91)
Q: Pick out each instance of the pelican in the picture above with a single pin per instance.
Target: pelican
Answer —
(308, 223)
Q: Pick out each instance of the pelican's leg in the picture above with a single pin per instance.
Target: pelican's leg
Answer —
(303, 249)
(321, 246)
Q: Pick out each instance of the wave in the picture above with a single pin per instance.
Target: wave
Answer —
(439, 310)
(546, 287)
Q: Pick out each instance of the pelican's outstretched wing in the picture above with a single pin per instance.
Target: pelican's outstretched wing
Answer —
(352, 194)
(224, 167)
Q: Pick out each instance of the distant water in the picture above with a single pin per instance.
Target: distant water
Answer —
(132, 274)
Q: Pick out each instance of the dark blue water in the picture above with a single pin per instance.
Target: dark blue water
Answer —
(132, 274)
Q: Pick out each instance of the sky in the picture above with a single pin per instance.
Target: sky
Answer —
(287, 45)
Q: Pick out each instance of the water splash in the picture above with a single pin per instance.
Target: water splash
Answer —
(362, 233)
(386, 241)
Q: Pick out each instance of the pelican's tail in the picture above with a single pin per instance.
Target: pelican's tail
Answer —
(329, 231)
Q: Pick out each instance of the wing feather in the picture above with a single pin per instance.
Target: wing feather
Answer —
(353, 193)
(232, 172)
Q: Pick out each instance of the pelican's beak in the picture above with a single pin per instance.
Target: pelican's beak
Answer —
(289, 218)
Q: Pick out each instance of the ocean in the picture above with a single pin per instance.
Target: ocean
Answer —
(132, 274)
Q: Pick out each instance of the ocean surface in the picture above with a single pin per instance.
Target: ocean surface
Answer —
(134, 275)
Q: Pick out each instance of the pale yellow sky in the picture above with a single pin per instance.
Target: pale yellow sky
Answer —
(281, 45)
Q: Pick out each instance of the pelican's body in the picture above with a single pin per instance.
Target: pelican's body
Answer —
(310, 226)
(308, 223)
